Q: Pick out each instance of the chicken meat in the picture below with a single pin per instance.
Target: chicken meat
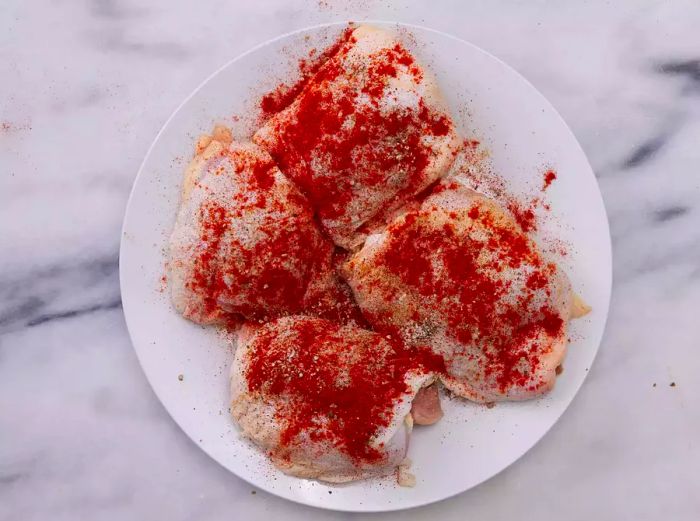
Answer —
(327, 401)
(245, 243)
(369, 131)
(459, 276)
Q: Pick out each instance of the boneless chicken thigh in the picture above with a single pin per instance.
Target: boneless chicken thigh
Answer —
(369, 131)
(245, 243)
(460, 276)
(327, 401)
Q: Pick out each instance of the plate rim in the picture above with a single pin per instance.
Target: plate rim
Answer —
(186, 100)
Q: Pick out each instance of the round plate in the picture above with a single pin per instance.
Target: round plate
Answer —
(490, 102)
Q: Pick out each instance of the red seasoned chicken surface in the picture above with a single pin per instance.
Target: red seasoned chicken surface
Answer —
(367, 133)
(459, 275)
(245, 243)
(327, 401)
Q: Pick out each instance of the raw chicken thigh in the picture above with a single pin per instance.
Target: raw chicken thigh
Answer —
(327, 401)
(367, 133)
(245, 243)
(459, 276)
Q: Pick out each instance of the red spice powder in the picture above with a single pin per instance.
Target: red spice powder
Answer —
(457, 277)
(524, 214)
(206, 280)
(262, 173)
(474, 168)
(537, 280)
(549, 177)
(340, 142)
(273, 271)
(337, 384)
(283, 95)
(336, 301)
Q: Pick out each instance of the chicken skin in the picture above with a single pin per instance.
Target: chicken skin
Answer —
(368, 132)
(460, 276)
(326, 401)
(245, 243)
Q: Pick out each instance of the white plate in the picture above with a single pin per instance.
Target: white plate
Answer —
(472, 443)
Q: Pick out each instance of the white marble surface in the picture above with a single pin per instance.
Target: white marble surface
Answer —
(85, 87)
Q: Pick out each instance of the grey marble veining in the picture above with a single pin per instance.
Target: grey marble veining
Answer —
(86, 86)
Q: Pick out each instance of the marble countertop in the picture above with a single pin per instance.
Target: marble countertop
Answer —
(85, 88)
